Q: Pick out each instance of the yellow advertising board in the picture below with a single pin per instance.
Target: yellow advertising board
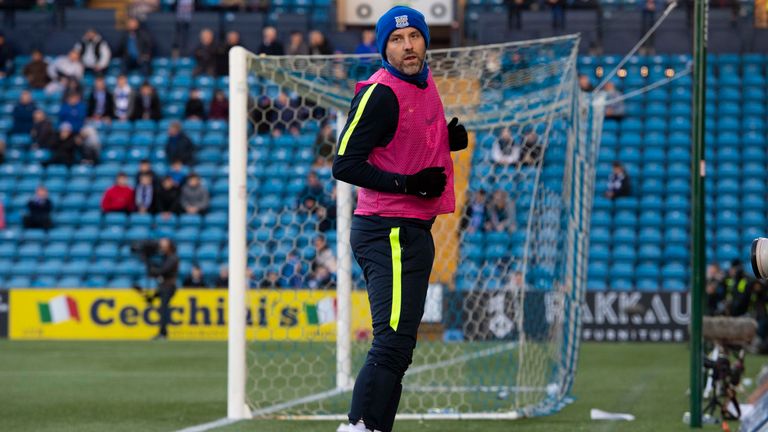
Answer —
(295, 315)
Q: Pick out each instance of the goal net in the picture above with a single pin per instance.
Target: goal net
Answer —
(500, 333)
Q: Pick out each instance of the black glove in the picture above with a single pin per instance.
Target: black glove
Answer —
(428, 183)
(457, 135)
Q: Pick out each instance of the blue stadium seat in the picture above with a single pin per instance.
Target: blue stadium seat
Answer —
(208, 252)
(138, 232)
(106, 250)
(70, 282)
(674, 270)
(651, 284)
(190, 220)
(30, 251)
(58, 250)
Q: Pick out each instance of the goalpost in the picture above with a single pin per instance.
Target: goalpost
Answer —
(500, 334)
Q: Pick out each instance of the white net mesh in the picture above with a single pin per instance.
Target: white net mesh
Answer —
(500, 332)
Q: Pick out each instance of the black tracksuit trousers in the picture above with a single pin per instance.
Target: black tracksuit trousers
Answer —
(396, 256)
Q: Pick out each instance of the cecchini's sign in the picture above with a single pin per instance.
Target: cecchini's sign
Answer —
(302, 315)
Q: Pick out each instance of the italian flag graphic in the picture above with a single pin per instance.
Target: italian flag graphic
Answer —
(60, 308)
(321, 313)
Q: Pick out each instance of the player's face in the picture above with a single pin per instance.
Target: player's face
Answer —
(406, 50)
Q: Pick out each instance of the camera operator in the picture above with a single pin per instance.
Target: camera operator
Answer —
(163, 265)
(737, 289)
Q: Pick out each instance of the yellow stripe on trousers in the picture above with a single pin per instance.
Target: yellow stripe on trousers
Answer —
(397, 276)
(356, 119)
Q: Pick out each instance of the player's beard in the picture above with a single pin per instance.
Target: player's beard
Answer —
(410, 63)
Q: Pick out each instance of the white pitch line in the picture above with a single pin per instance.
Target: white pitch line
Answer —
(476, 389)
(210, 425)
(335, 392)
(292, 403)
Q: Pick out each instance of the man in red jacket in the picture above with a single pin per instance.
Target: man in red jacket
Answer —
(119, 197)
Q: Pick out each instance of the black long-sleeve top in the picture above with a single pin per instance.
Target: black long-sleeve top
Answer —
(375, 127)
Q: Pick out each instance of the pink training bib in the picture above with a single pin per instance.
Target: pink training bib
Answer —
(421, 141)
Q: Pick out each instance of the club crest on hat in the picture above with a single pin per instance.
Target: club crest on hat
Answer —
(401, 21)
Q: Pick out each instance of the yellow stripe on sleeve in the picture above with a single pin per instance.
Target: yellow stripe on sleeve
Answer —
(397, 275)
(358, 115)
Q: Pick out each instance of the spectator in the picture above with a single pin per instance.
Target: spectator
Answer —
(737, 289)
(500, 214)
(195, 198)
(195, 279)
(206, 54)
(94, 52)
(7, 56)
(36, 71)
(318, 45)
(558, 13)
(73, 111)
(145, 167)
(324, 256)
(2, 158)
(23, 114)
(269, 43)
(146, 194)
(514, 14)
(71, 86)
(648, 19)
(119, 197)
(43, 135)
(123, 99)
(90, 145)
(146, 104)
(530, 148)
(232, 40)
(136, 47)
(219, 109)
(618, 183)
(63, 69)
(585, 84)
(179, 146)
(101, 104)
(178, 173)
(271, 280)
(64, 147)
(368, 43)
(194, 108)
(184, 11)
(296, 44)
(474, 213)
(613, 110)
(325, 141)
(321, 278)
(59, 12)
(222, 280)
(505, 150)
(292, 272)
(168, 198)
(313, 189)
(714, 285)
(39, 209)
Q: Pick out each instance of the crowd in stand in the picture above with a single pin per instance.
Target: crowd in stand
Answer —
(497, 214)
(74, 137)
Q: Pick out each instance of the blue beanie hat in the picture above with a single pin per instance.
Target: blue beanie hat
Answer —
(396, 18)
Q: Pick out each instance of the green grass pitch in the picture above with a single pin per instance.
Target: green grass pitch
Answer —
(165, 386)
